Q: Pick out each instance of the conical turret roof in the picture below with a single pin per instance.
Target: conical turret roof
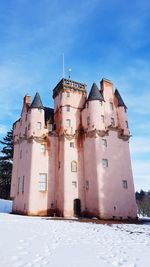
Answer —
(95, 93)
(120, 100)
(37, 102)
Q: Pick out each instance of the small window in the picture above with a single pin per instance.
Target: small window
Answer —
(42, 148)
(18, 185)
(68, 108)
(125, 184)
(59, 165)
(111, 106)
(102, 118)
(127, 124)
(42, 182)
(87, 184)
(26, 131)
(71, 144)
(88, 120)
(74, 183)
(20, 154)
(29, 126)
(68, 94)
(74, 166)
(105, 163)
(104, 142)
(112, 122)
(38, 125)
(68, 123)
(22, 184)
(50, 127)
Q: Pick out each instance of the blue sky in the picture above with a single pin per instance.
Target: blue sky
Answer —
(99, 39)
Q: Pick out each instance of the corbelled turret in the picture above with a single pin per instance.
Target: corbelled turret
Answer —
(119, 99)
(95, 94)
(37, 102)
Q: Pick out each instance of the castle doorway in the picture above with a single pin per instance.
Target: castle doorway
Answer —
(77, 207)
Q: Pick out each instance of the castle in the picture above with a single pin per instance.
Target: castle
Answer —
(74, 159)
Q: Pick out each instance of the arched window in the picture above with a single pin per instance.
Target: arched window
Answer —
(74, 166)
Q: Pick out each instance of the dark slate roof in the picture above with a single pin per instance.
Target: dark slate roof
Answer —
(37, 103)
(120, 100)
(95, 94)
(49, 115)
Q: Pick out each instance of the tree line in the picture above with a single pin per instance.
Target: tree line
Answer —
(6, 162)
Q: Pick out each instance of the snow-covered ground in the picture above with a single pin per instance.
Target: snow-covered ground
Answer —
(5, 206)
(33, 241)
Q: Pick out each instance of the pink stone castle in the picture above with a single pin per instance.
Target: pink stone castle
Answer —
(74, 160)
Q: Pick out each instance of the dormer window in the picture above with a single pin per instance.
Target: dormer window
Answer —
(111, 106)
(38, 125)
(88, 120)
(112, 122)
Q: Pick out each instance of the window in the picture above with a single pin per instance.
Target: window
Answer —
(68, 94)
(125, 184)
(38, 125)
(68, 108)
(127, 124)
(74, 183)
(42, 148)
(111, 106)
(88, 120)
(18, 185)
(112, 122)
(22, 184)
(102, 118)
(71, 144)
(29, 126)
(105, 163)
(68, 123)
(20, 154)
(87, 184)
(104, 142)
(26, 131)
(42, 182)
(59, 165)
(50, 127)
(74, 166)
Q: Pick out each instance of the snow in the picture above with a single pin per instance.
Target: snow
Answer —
(5, 206)
(37, 242)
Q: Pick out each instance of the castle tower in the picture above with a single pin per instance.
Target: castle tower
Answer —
(69, 97)
(30, 167)
(94, 130)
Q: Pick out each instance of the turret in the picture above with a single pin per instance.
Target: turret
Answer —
(36, 120)
(93, 114)
(122, 114)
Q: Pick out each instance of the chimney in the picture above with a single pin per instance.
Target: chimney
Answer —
(105, 83)
(27, 100)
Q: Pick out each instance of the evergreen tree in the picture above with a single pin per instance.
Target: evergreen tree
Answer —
(6, 159)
